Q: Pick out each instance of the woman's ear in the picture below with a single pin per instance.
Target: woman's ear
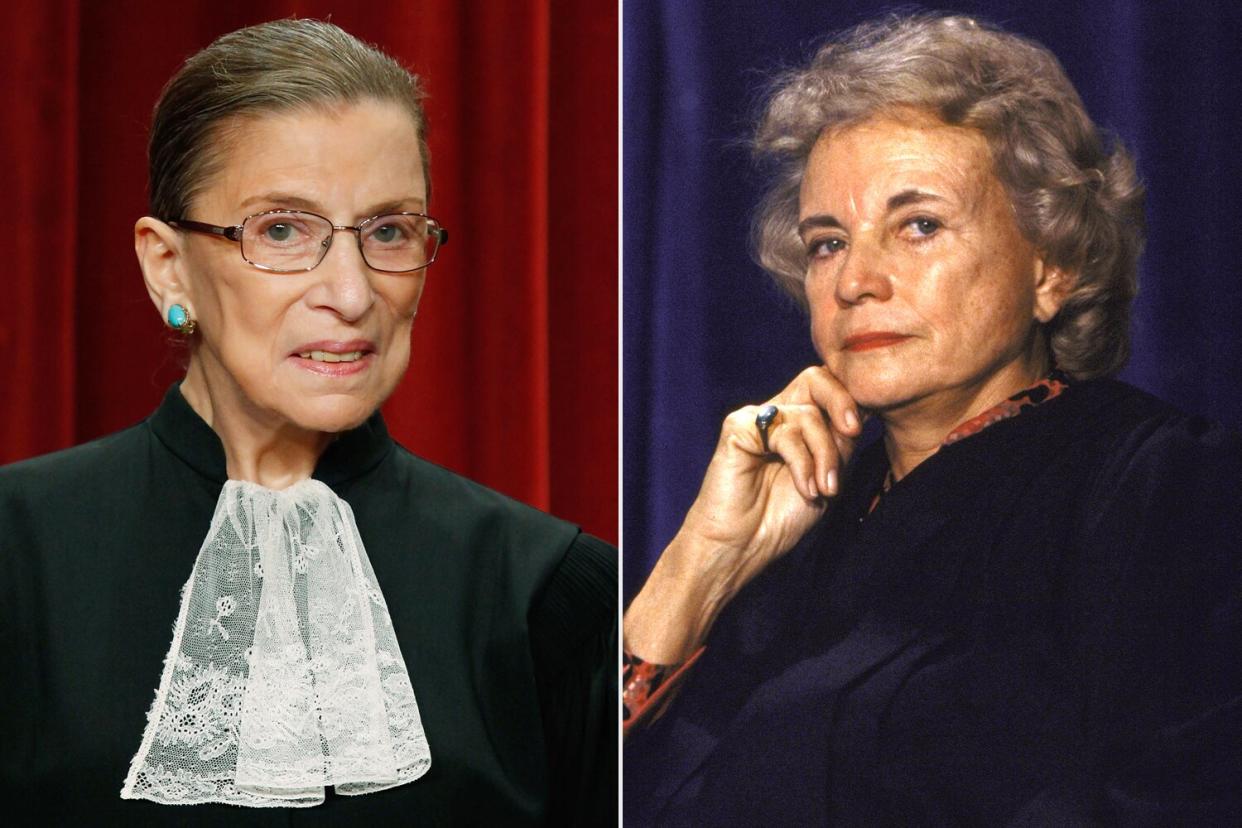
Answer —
(1052, 287)
(162, 259)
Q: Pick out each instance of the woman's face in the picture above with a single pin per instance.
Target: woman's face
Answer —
(348, 164)
(922, 289)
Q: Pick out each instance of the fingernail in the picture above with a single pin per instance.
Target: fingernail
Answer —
(811, 488)
(832, 482)
(851, 419)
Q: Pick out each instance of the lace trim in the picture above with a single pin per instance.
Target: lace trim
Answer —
(284, 673)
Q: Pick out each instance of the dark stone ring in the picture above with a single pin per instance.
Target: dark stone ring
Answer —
(763, 421)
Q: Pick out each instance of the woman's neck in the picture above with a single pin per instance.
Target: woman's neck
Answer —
(916, 431)
(258, 446)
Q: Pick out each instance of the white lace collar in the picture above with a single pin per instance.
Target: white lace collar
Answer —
(284, 674)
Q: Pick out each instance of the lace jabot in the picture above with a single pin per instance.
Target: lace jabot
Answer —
(284, 673)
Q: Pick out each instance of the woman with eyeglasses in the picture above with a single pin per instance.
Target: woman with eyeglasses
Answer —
(342, 613)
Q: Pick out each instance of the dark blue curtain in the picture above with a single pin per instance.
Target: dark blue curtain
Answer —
(705, 332)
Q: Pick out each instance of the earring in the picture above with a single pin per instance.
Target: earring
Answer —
(180, 321)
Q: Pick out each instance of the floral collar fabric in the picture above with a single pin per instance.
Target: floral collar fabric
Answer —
(1042, 391)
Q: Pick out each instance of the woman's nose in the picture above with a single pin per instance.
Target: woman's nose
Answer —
(864, 275)
(344, 284)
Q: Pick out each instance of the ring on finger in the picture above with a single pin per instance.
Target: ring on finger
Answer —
(763, 421)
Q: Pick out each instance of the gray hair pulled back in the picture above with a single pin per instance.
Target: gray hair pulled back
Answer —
(1075, 194)
(273, 67)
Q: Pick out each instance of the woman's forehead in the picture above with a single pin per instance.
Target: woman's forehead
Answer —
(871, 161)
(358, 152)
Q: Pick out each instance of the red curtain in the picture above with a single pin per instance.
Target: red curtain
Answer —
(513, 378)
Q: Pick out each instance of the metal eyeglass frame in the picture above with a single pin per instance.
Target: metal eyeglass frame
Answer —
(234, 233)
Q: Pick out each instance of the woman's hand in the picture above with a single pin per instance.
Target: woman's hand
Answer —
(751, 509)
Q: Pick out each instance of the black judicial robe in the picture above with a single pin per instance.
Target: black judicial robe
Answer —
(1040, 625)
(505, 616)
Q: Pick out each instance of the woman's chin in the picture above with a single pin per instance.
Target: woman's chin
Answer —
(333, 414)
(878, 392)
(335, 409)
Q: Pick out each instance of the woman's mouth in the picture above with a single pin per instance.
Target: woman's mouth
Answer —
(329, 364)
(334, 358)
(872, 340)
(328, 356)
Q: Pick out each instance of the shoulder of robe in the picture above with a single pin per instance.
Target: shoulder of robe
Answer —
(1113, 409)
(1161, 530)
(577, 604)
(1172, 461)
(447, 486)
(1158, 479)
(76, 476)
(1154, 590)
(444, 503)
(1119, 433)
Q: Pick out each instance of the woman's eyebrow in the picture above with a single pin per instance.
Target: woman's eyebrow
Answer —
(411, 204)
(818, 220)
(895, 202)
(908, 197)
(285, 199)
(310, 205)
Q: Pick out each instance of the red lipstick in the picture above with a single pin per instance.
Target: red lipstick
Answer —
(872, 339)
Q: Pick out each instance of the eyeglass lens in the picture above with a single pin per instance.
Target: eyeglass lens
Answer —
(295, 241)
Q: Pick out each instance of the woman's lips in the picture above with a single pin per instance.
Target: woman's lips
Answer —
(334, 358)
(334, 369)
(873, 339)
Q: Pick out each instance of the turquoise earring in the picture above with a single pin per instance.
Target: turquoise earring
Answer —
(180, 321)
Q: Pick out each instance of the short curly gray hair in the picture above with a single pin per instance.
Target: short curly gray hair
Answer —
(1076, 197)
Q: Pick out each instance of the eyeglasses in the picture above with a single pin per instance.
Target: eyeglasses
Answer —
(293, 241)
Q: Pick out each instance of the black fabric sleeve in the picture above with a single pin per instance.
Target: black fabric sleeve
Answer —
(19, 690)
(1159, 626)
(573, 628)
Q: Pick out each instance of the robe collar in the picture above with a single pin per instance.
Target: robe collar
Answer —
(184, 433)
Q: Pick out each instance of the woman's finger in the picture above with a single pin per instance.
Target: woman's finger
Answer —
(812, 427)
(803, 441)
(817, 386)
(820, 439)
(785, 441)
(801, 437)
(740, 430)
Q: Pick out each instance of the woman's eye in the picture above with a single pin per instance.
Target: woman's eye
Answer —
(396, 231)
(387, 234)
(280, 232)
(924, 226)
(819, 248)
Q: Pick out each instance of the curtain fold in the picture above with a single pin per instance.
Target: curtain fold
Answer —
(38, 313)
(488, 374)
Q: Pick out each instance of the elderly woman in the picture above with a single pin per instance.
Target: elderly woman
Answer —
(342, 613)
(1022, 604)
